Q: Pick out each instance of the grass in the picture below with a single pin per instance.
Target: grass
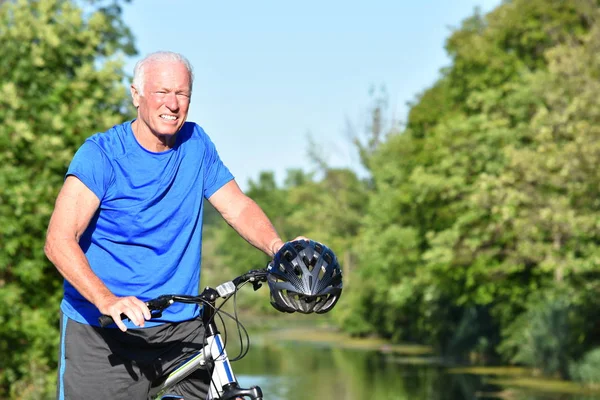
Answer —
(545, 385)
(499, 371)
(525, 379)
(331, 337)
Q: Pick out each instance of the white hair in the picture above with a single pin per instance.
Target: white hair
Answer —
(138, 71)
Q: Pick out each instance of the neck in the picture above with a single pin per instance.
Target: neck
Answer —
(151, 141)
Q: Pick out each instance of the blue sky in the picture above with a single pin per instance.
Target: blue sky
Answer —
(269, 74)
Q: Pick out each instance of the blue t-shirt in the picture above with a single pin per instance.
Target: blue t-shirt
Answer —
(145, 239)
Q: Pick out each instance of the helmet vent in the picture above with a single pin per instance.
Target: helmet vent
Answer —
(318, 248)
(309, 263)
(288, 255)
(298, 271)
(322, 272)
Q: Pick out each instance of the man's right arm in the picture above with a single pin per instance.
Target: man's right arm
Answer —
(73, 211)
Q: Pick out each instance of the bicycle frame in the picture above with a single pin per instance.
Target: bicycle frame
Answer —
(224, 384)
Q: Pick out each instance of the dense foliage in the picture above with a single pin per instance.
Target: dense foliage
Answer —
(60, 81)
(484, 215)
(477, 231)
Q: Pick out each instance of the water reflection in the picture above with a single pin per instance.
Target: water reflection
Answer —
(299, 371)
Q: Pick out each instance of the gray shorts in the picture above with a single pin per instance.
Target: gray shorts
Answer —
(105, 363)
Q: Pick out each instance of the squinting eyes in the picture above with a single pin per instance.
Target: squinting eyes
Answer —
(180, 95)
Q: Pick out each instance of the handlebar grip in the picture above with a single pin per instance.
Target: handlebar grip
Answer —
(106, 320)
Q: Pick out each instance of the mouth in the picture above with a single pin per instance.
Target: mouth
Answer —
(168, 117)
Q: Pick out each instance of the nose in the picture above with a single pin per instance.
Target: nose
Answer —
(171, 101)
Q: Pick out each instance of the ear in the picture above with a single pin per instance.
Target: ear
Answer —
(135, 95)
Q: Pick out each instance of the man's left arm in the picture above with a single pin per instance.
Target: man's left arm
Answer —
(246, 217)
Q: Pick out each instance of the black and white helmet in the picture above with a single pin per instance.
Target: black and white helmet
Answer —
(304, 276)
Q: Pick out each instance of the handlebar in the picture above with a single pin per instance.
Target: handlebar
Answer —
(208, 295)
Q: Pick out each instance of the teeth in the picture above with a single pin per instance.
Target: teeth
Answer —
(169, 117)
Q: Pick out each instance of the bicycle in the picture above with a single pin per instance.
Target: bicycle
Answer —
(224, 384)
(304, 277)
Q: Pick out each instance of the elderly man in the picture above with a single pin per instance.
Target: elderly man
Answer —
(127, 227)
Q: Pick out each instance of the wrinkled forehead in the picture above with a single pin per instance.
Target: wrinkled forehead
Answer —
(166, 74)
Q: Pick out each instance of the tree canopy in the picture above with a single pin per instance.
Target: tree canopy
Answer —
(487, 202)
(61, 79)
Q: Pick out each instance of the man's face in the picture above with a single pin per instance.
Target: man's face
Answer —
(165, 101)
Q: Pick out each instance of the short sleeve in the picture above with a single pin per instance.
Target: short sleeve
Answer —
(216, 174)
(92, 167)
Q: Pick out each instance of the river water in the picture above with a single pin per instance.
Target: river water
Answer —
(301, 371)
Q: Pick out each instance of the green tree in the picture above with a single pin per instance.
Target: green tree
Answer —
(489, 193)
(61, 80)
(546, 202)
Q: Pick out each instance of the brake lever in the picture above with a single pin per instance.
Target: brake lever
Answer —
(157, 305)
